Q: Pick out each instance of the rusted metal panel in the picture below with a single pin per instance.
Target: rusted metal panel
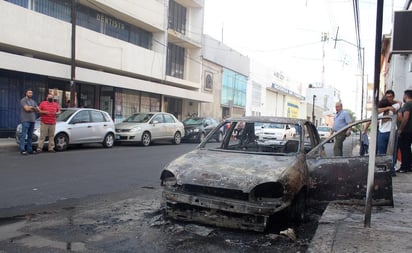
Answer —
(241, 182)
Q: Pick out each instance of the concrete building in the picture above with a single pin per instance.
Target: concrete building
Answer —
(128, 56)
(225, 76)
(324, 100)
(271, 93)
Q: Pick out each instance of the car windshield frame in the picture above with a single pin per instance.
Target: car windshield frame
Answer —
(253, 140)
(65, 115)
(139, 118)
(194, 121)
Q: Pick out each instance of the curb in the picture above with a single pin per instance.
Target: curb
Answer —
(8, 145)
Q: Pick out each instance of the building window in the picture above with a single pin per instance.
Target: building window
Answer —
(208, 81)
(233, 89)
(90, 19)
(175, 61)
(54, 8)
(22, 3)
(177, 17)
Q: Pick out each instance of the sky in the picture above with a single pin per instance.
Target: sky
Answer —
(286, 36)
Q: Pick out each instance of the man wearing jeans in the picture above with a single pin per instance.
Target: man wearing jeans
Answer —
(28, 117)
(341, 120)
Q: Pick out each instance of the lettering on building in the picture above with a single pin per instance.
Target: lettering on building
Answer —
(110, 21)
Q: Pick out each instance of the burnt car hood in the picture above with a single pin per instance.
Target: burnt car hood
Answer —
(230, 170)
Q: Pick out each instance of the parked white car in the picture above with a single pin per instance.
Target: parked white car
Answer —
(77, 126)
(275, 131)
(145, 127)
(325, 132)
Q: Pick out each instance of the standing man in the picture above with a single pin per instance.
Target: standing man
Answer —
(28, 117)
(48, 112)
(405, 132)
(341, 120)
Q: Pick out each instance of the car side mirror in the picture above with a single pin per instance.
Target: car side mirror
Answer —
(155, 121)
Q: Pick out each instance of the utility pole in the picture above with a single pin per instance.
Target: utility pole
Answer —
(363, 82)
(73, 57)
(323, 39)
(372, 146)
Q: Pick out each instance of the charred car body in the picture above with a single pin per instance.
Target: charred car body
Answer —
(246, 179)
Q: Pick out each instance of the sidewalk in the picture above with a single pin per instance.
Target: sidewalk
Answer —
(341, 228)
(8, 144)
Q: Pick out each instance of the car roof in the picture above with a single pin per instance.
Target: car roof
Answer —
(269, 119)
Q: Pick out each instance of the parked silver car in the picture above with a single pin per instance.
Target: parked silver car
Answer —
(145, 127)
(78, 126)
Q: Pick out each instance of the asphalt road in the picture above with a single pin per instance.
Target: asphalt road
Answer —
(80, 172)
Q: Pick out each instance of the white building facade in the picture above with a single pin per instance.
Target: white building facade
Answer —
(124, 57)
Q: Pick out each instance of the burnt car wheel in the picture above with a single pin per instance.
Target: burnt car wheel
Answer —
(108, 141)
(297, 209)
(61, 142)
(177, 138)
(146, 139)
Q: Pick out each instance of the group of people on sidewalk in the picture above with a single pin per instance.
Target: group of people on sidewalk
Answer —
(48, 110)
(403, 141)
(387, 106)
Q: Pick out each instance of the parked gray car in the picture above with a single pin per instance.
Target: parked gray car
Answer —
(146, 127)
(78, 126)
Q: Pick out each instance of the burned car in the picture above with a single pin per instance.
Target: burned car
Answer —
(243, 181)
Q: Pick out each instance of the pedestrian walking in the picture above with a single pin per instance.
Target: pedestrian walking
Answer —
(405, 132)
(342, 119)
(28, 117)
(49, 109)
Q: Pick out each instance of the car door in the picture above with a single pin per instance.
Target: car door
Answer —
(170, 125)
(99, 126)
(81, 127)
(158, 129)
(345, 177)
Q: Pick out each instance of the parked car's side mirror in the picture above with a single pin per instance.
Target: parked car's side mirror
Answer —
(155, 121)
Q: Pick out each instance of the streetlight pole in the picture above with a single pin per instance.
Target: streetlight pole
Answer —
(313, 109)
(73, 57)
(363, 82)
